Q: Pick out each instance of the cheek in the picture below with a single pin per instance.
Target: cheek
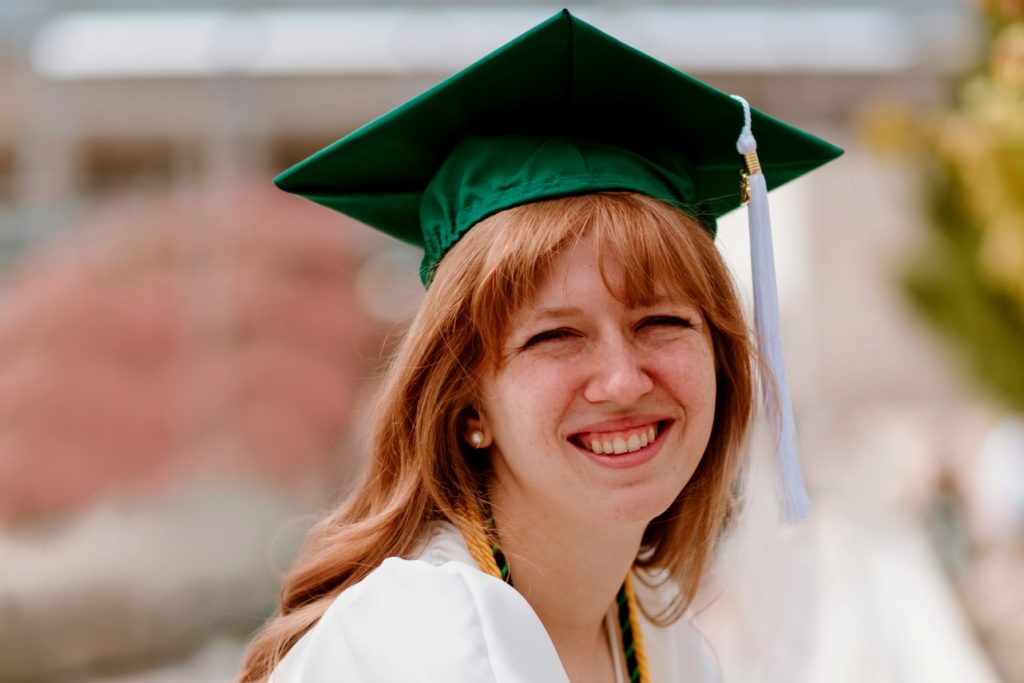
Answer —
(537, 387)
(517, 405)
(707, 380)
(692, 379)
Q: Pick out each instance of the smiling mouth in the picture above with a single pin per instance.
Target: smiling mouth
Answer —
(619, 442)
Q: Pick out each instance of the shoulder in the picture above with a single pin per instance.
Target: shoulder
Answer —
(443, 543)
(425, 620)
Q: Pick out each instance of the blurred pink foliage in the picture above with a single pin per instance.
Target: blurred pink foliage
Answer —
(169, 337)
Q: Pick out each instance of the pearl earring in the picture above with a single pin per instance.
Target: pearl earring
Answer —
(476, 438)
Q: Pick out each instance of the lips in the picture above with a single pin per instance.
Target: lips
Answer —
(619, 437)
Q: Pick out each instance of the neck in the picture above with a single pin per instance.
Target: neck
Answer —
(568, 569)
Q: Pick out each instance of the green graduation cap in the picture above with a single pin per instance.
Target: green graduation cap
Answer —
(565, 109)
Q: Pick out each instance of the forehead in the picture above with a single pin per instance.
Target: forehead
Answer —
(587, 273)
(572, 271)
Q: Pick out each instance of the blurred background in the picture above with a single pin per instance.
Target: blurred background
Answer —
(186, 354)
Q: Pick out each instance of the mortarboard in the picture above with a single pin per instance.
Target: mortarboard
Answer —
(566, 109)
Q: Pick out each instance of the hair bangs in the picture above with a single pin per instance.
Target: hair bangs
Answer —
(654, 246)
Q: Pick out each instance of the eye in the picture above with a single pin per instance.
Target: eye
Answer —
(667, 321)
(546, 336)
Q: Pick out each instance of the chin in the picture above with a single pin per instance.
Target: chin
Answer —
(638, 505)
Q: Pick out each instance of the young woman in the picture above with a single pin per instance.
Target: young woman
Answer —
(555, 446)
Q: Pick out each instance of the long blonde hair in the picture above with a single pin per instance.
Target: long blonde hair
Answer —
(420, 470)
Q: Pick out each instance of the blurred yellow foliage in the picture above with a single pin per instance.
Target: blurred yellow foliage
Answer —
(1008, 10)
(1008, 56)
(969, 281)
(983, 144)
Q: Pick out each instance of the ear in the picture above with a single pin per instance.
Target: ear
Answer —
(474, 429)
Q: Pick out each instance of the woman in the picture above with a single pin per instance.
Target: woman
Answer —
(556, 441)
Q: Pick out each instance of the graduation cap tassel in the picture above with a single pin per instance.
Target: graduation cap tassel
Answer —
(795, 503)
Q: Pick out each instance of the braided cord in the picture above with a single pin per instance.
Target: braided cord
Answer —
(499, 557)
(638, 673)
(480, 547)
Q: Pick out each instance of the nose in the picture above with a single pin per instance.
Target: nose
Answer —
(618, 374)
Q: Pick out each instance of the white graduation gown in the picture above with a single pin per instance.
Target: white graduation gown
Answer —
(439, 619)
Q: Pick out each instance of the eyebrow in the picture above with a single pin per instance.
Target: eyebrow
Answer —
(554, 312)
(557, 312)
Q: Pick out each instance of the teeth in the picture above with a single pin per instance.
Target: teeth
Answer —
(624, 444)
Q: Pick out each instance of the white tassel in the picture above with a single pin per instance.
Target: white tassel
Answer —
(793, 493)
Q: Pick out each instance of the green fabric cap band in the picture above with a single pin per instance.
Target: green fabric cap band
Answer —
(487, 174)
